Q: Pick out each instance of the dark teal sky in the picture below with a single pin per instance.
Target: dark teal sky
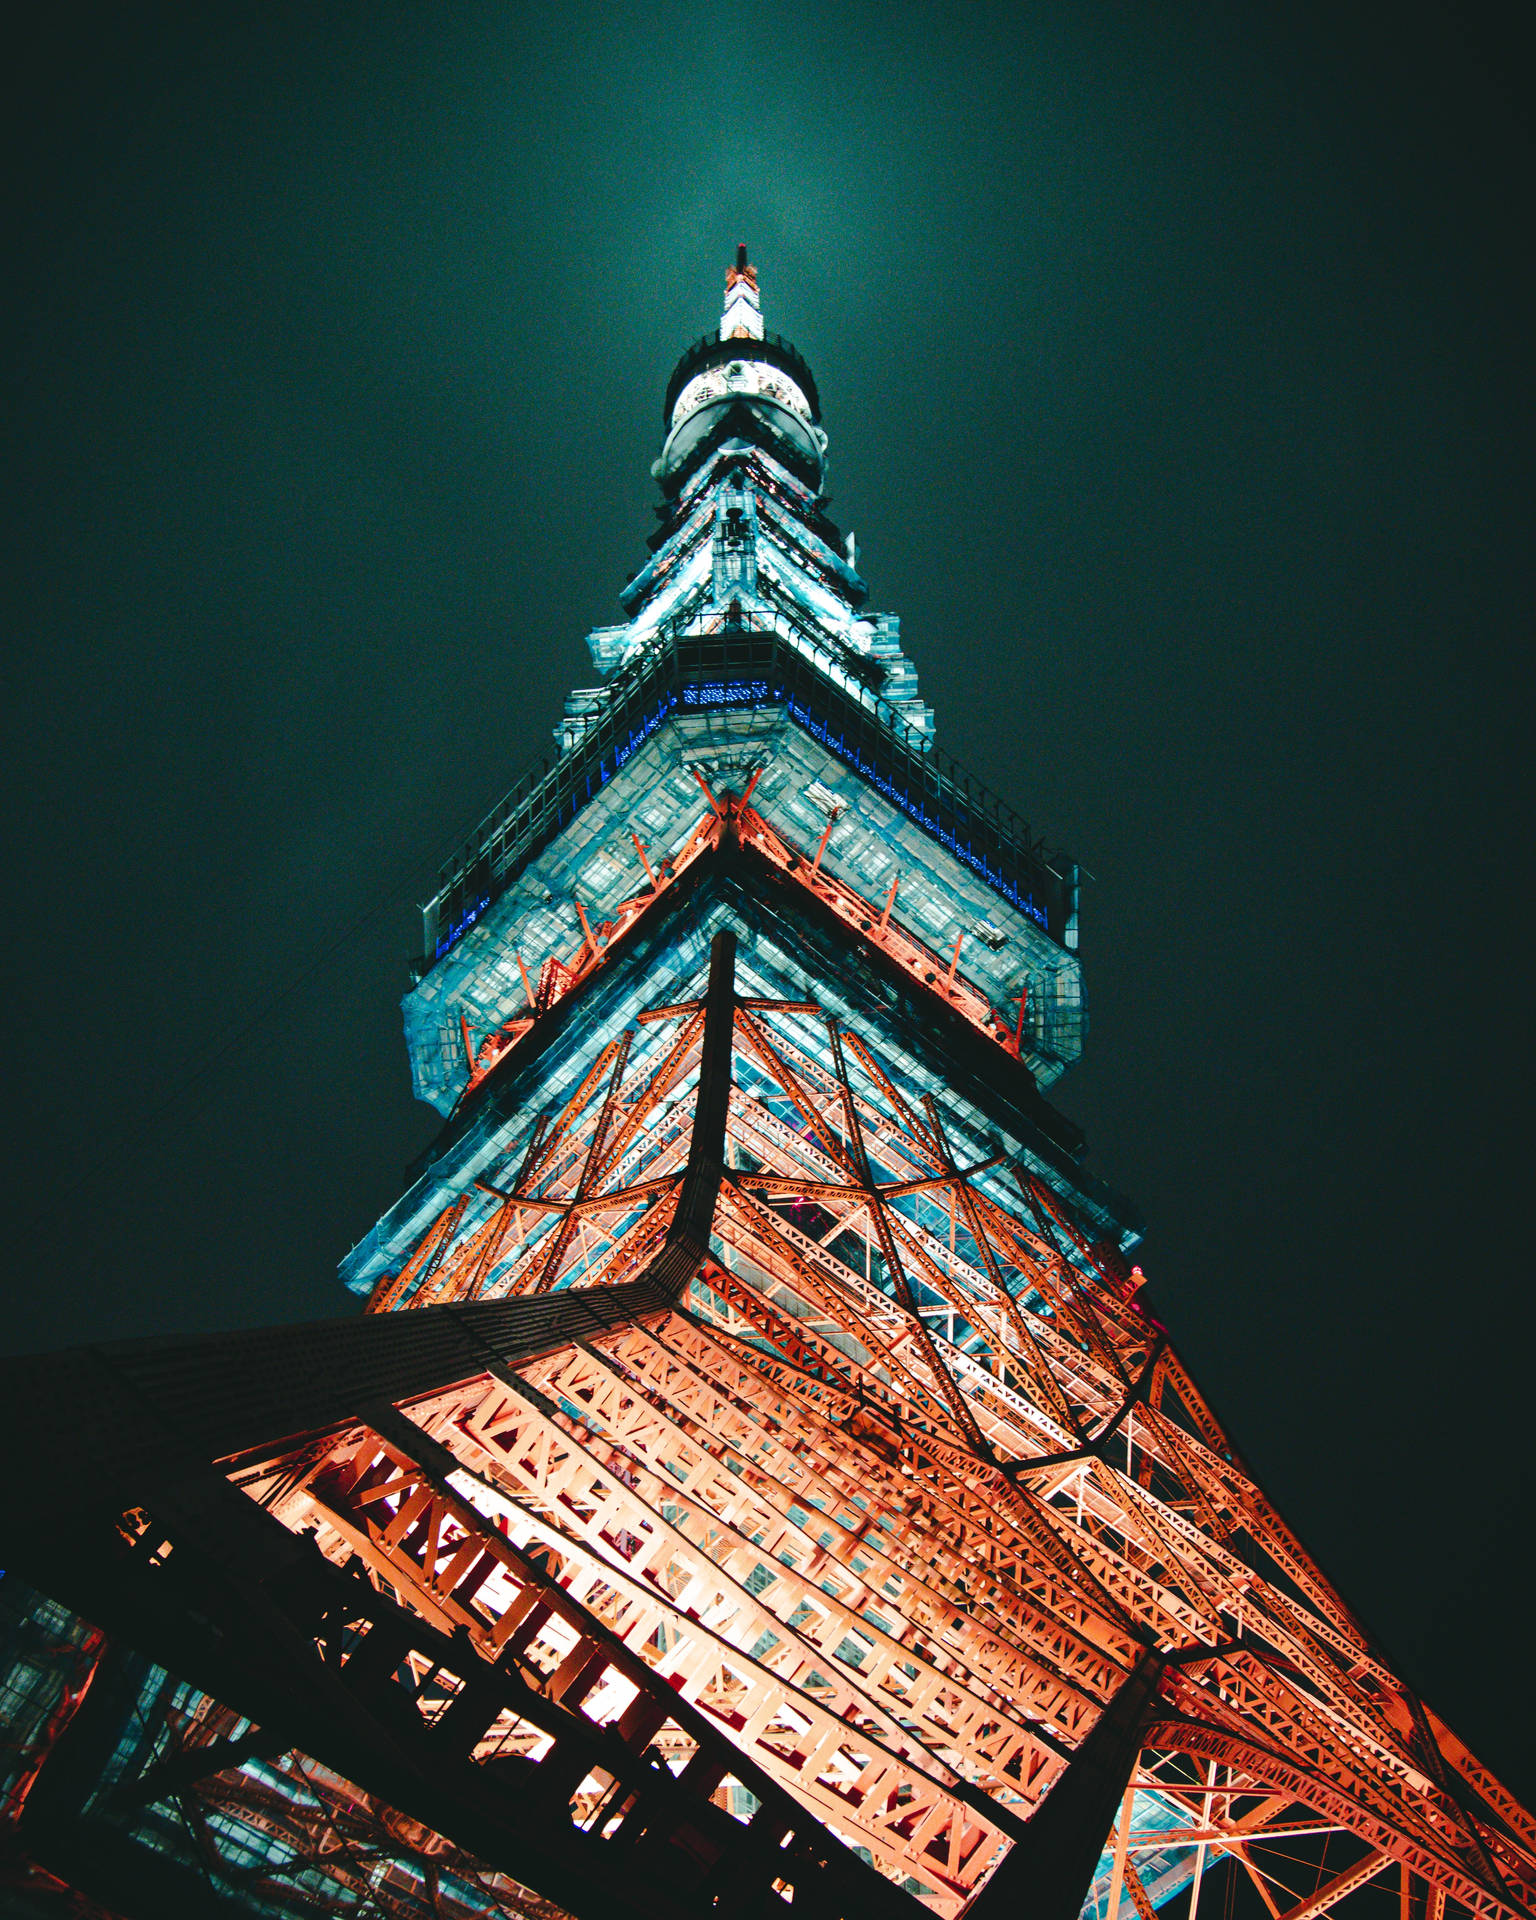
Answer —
(1177, 366)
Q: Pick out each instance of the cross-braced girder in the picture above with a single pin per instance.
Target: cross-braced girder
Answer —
(823, 1479)
(906, 1485)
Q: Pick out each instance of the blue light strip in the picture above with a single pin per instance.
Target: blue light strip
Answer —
(462, 925)
(727, 693)
(915, 811)
(638, 738)
(720, 694)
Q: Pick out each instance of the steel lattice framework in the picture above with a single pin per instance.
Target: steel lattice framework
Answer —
(758, 1479)
(900, 1493)
(758, 1487)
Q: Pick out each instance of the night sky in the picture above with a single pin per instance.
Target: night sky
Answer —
(1176, 361)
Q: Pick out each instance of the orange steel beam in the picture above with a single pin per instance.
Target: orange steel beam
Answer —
(565, 974)
(994, 1480)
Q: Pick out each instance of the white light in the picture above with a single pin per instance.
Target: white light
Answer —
(749, 377)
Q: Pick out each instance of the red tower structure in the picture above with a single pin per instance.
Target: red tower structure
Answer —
(758, 1480)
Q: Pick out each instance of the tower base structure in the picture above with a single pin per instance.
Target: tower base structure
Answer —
(758, 1480)
(673, 1595)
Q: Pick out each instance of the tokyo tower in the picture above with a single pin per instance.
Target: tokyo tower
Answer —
(756, 1481)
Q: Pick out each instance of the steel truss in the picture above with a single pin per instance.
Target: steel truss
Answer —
(729, 819)
(906, 1486)
(380, 1862)
(753, 1484)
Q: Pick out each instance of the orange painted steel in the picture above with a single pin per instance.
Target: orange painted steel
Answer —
(906, 1484)
(562, 974)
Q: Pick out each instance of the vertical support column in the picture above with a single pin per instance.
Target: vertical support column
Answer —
(84, 1744)
(683, 1251)
(1117, 1865)
(1205, 1821)
(1047, 1873)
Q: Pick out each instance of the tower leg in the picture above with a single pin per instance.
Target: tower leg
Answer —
(1047, 1873)
(683, 1251)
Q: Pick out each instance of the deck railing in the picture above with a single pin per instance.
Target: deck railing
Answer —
(747, 662)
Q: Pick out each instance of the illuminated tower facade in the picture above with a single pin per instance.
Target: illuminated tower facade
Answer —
(756, 1480)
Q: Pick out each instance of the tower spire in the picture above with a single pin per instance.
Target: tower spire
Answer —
(742, 318)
